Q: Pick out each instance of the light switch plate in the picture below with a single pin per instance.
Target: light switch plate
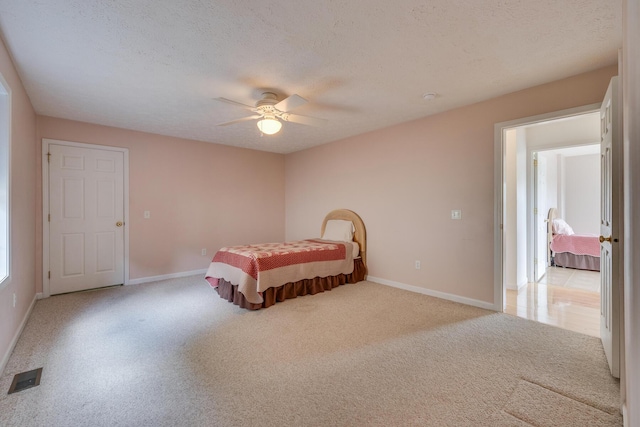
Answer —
(456, 214)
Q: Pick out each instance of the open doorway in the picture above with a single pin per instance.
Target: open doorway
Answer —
(553, 163)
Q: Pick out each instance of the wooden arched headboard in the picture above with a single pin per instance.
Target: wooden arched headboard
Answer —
(359, 236)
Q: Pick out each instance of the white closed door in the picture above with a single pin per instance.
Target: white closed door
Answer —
(86, 208)
(610, 249)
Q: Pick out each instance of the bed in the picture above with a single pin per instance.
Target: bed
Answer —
(567, 249)
(259, 275)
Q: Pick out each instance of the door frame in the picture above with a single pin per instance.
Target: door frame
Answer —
(535, 215)
(498, 194)
(46, 292)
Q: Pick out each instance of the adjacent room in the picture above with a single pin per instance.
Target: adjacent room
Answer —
(555, 165)
(298, 213)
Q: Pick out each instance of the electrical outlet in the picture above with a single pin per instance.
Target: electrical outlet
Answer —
(15, 299)
(456, 214)
(204, 251)
(417, 265)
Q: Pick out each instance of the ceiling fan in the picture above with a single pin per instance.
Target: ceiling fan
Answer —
(269, 111)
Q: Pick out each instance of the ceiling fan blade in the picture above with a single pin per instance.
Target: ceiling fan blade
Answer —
(244, 119)
(237, 104)
(288, 104)
(304, 120)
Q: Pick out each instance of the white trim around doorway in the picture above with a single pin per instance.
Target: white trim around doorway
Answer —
(45, 205)
(498, 176)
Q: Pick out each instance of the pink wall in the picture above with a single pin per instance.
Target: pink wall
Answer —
(23, 197)
(405, 180)
(200, 195)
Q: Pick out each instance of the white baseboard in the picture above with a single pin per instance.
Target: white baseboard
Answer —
(14, 341)
(432, 293)
(166, 276)
(522, 282)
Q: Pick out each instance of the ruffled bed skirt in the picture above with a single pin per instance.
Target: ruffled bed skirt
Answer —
(293, 289)
(580, 262)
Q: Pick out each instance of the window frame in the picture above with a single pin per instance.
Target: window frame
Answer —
(5, 168)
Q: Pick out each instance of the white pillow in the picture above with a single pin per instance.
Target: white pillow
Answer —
(338, 229)
(561, 227)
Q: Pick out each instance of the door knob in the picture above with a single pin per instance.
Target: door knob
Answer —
(120, 224)
(605, 239)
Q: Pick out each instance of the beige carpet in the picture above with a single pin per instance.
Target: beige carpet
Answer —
(173, 353)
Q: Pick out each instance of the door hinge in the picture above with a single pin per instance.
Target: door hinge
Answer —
(535, 162)
(49, 217)
(49, 274)
(48, 157)
(535, 211)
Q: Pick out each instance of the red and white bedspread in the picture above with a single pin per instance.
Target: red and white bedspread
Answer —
(576, 244)
(255, 268)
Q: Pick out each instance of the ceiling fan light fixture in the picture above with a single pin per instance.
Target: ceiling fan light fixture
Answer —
(269, 126)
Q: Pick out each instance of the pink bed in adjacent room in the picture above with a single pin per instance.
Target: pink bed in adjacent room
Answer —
(579, 251)
(257, 276)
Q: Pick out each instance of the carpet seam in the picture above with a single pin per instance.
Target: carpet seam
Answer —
(576, 399)
(518, 418)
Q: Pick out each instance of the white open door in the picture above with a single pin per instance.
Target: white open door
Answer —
(610, 248)
(540, 215)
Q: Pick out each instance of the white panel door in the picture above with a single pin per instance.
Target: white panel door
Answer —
(86, 231)
(540, 216)
(610, 278)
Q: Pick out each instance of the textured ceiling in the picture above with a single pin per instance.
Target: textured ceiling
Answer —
(156, 65)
